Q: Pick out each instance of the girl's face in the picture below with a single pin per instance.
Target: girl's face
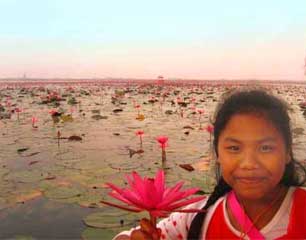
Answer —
(252, 156)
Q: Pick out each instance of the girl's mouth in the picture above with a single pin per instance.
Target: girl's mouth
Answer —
(250, 180)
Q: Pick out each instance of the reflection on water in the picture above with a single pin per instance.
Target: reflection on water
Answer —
(43, 219)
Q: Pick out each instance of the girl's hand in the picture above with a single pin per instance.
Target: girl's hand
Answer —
(146, 231)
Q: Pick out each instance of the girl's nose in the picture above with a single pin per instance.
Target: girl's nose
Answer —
(249, 160)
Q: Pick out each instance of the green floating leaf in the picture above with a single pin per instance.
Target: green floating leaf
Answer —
(113, 218)
(64, 193)
(66, 118)
(205, 183)
(125, 166)
(88, 165)
(98, 233)
(23, 195)
(3, 203)
(20, 150)
(23, 237)
(3, 171)
(28, 176)
(90, 200)
(115, 178)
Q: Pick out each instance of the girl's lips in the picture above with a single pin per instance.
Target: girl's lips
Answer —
(250, 180)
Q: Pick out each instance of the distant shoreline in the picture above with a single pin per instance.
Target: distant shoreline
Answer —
(143, 81)
(131, 80)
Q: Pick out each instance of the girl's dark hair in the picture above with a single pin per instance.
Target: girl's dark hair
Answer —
(271, 108)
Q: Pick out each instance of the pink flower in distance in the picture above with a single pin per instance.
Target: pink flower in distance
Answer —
(34, 120)
(52, 111)
(18, 110)
(151, 194)
(200, 111)
(209, 128)
(162, 141)
(139, 132)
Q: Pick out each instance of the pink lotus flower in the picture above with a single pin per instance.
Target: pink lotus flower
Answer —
(162, 141)
(163, 144)
(209, 128)
(200, 111)
(151, 194)
(18, 111)
(137, 106)
(140, 133)
(34, 120)
(52, 112)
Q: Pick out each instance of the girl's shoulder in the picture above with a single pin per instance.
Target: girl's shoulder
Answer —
(301, 190)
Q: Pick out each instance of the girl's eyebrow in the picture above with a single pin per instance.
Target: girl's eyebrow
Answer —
(267, 139)
(230, 139)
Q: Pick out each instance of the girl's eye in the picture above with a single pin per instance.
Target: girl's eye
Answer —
(233, 148)
(266, 148)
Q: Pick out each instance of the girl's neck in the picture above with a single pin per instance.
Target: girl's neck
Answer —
(262, 211)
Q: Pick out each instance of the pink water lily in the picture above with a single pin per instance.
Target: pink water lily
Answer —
(162, 141)
(34, 120)
(52, 112)
(200, 111)
(18, 111)
(151, 194)
(140, 133)
(163, 144)
(209, 128)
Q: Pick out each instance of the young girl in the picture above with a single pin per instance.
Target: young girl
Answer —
(258, 193)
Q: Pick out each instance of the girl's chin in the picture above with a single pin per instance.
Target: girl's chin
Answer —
(250, 194)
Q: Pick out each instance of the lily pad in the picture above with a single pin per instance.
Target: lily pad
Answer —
(298, 131)
(3, 203)
(140, 117)
(20, 150)
(25, 196)
(3, 171)
(90, 200)
(66, 118)
(98, 233)
(63, 192)
(27, 176)
(75, 138)
(96, 111)
(112, 219)
(117, 110)
(127, 166)
(23, 237)
(206, 183)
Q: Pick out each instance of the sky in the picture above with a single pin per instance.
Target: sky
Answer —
(194, 39)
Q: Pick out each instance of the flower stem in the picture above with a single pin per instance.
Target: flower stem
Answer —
(153, 220)
(163, 154)
(140, 137)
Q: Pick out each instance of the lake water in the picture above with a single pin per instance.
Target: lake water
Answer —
(51, 186)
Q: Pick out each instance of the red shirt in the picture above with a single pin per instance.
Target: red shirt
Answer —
(296, 229)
